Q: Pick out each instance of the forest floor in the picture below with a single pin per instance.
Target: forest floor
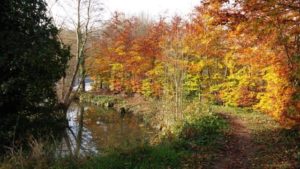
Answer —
(238, 147)
(256, 141)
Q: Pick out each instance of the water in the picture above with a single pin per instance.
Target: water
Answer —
(93, 130)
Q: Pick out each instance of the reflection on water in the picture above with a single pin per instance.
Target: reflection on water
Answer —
(93, 129)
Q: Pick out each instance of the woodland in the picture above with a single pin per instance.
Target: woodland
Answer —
(219, 89)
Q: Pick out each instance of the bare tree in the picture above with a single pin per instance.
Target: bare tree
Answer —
(81, 17)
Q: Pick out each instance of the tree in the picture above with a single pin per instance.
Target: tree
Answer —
(175, 63)
(128, 47)
(81, 16)
(32, 60)
(270, 33)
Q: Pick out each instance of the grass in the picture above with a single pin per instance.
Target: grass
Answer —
(205, 130)
(274, 147)
(146, 157)
(198, 142)
(204, 139)
(196, 145)
(100, 100)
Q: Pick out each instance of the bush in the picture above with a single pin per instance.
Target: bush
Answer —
(205, 130)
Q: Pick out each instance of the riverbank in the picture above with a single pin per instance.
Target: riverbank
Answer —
(147, 110)
(208, 137)
(196, 145)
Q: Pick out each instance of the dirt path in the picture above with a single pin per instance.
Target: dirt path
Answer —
(239, 147)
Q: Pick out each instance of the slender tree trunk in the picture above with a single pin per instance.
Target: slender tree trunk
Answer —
(67, 99)
(82, 75)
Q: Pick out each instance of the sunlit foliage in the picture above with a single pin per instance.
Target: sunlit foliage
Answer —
(236, 53)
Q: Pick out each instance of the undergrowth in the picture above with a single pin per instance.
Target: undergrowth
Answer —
(100, 100)
(195, 145)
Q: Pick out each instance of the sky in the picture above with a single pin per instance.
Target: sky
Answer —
(153, 8)
(150, 8)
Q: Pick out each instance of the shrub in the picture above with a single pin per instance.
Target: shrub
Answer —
(205, 130)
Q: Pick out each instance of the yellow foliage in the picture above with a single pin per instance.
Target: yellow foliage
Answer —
(276, 94)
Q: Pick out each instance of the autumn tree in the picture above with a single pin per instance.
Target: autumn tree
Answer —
(206, 44)
(270, 30)
(174, 60)
(81, 16)
(127, 46)
(238, 53)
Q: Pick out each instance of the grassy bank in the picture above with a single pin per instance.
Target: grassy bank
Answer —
(196, 141)
(100, 100)
(196, 144)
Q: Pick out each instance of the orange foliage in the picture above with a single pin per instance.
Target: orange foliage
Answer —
(241, 53)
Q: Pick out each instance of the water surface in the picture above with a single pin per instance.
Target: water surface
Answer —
(93, 130)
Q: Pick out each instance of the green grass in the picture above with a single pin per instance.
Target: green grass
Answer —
(205, 130)
(146, 157)
(100, 100)
(196, 145)
(203, 139)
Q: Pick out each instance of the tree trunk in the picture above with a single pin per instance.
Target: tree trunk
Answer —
(82, 74)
